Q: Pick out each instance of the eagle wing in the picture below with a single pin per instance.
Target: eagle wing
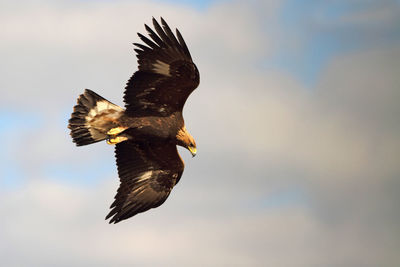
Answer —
(166, 75)
(147, 172)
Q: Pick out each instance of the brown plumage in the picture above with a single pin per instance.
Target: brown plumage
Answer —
(150, 127)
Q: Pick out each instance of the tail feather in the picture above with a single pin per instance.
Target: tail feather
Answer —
(92, 118)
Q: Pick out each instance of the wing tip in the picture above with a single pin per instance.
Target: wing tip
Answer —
(163, 22)
(113, 215)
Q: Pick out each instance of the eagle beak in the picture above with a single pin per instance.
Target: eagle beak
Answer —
(192, 150)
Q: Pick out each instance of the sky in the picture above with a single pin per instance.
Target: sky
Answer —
(296, 120)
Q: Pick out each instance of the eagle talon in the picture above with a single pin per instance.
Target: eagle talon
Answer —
(116, 130)
(116, 140)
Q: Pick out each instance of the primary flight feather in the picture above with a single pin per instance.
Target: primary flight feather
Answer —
(150, 127)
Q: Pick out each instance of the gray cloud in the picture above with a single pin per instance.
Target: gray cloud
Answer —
(285, 175)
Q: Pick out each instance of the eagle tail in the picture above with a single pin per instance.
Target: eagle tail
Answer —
(93, 117)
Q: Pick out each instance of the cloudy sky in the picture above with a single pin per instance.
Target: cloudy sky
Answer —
(297, 122)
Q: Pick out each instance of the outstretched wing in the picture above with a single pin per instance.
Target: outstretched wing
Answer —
(166, 75)
(147, 173)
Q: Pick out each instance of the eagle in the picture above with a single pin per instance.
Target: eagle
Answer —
(148, 130)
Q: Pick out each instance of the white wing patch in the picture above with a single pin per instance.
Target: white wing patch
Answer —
(144, 176)
(162, 68)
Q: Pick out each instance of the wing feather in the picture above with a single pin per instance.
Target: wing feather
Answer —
(162, 34)
(147, 173)
(143, 47)
(183, 44)
(169, 33)
(154, 36)
(166, 75)
(147, 41)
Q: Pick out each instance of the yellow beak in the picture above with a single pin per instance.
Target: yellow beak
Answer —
(192, 150)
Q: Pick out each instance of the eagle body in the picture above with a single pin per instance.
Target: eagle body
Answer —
(162, 128)
(148, 129)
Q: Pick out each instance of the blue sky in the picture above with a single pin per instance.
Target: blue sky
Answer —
(296, 121)
(324, 41)
(199, 5)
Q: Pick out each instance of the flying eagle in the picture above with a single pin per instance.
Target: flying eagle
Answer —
(150, 127)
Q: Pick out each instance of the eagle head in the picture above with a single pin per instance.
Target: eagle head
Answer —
(184, 139)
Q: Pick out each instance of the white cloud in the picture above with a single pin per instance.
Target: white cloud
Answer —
(52, 224)
(379, 15)
(259, 133)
